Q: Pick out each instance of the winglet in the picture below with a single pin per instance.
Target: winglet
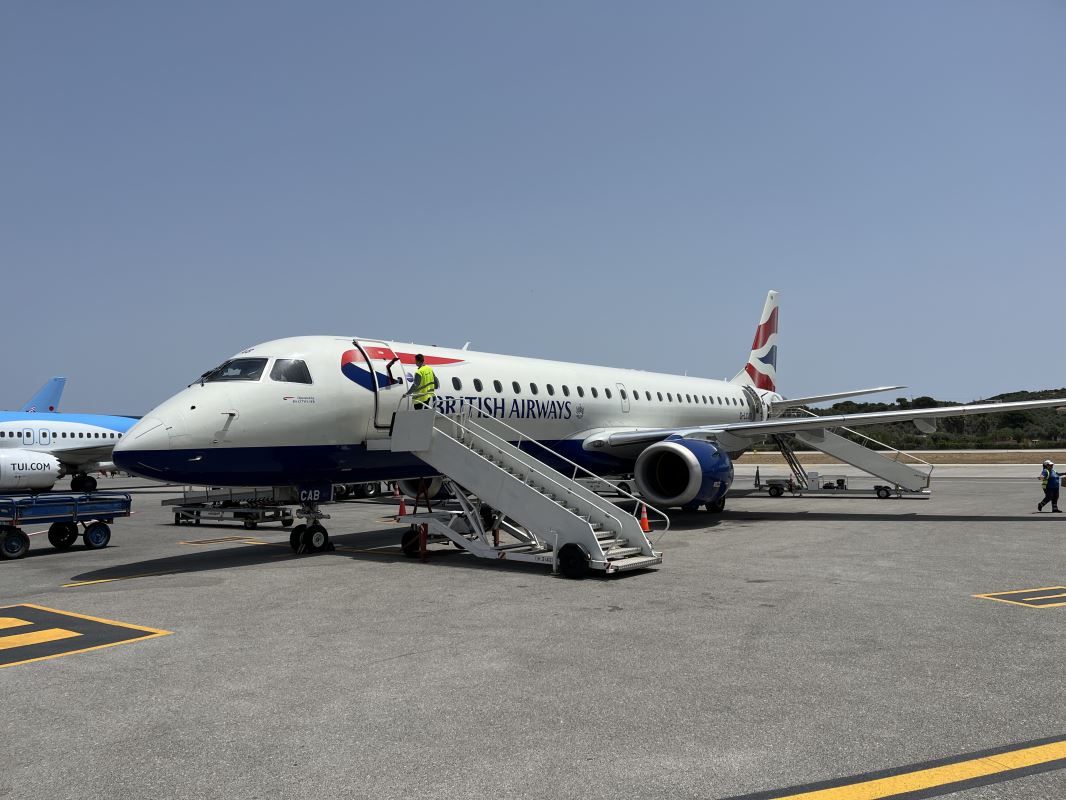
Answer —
(47, 397)
(761, 369)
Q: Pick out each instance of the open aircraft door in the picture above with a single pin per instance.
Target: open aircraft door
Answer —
(390, 384)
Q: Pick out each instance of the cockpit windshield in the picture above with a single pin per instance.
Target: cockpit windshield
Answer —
(237, 369)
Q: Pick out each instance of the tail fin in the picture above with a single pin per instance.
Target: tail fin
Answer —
(47, 397)
(761, 369)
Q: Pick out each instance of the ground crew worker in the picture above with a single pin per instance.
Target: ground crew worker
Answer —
(425, 385)
(1049, 479)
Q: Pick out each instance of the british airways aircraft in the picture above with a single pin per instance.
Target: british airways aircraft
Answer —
(303, 410)
(39, 446)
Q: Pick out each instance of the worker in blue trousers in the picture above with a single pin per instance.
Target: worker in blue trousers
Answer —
(1050, 480)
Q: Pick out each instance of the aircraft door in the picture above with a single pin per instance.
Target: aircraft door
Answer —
(27, 436)
(44, 437)
(389, 381)
(623, 396)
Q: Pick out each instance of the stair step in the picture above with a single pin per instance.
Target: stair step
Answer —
(622, 552)
(635, 562)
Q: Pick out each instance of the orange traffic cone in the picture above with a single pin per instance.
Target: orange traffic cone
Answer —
(644, 526)
(402, 512)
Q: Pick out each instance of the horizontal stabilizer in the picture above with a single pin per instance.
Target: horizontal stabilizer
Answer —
(821, 398)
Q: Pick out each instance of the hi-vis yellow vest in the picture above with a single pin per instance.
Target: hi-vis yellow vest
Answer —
(426, 384)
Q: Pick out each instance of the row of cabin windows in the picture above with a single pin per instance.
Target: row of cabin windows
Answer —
(516, 387)
(13, 434)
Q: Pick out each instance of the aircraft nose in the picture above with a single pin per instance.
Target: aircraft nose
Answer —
(147, 436)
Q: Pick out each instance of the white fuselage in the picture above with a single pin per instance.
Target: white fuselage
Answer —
(251, 424)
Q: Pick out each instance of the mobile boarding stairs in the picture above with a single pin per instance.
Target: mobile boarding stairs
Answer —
(547, 517)
(903, 477)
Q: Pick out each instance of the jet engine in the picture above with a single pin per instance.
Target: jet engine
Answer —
(683, 472)
(25, 470)
(434, 487)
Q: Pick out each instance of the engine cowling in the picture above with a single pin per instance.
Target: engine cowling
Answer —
(434, 487)
(683, 472)
(25, 470)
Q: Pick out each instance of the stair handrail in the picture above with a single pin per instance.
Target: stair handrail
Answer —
(468, 409)
(548, 478)
(882, 445)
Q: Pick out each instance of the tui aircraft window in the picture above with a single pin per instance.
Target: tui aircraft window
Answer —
(594, 392)
(533, 388)
(660, 395)
(622, 392)
(2, 434)
(580, 392)
(688, 398)
(498, 387)
(456, 383)
(550, 388)
(288, 370)
(669, 397)
(238, 369)
(566, 390)
(477, 384)
(516, 387)
(607, 393)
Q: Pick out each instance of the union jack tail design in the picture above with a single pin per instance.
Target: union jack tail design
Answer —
(761, 369)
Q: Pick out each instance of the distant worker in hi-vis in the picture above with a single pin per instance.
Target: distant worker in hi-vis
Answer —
(1049, 479)
(426, 385)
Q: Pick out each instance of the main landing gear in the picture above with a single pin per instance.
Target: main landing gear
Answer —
(311, 537)
(83, 483)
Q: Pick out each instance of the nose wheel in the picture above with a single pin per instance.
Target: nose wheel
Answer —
(311, 537)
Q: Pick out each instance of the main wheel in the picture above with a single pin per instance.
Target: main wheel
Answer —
(13, 542)
(295, 535)
(315, 539)
(97, 535)
(775, 491)
(573, 562)
(88, 484)
(62, 534)
(884, 492)
(717, 507)
(77, 483)
(410, 544)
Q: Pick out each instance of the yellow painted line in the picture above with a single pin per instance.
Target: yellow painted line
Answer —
(36, 637)
(11, 622)
(109, 580)
(935, 777)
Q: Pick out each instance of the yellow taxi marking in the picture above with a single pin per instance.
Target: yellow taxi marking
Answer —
(109, 580)
(95, 632)
(1032, 598)
(943, 778)
(227, 540)
(37, 637)
(11, 622)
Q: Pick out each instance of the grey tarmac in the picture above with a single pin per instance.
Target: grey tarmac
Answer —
(784, 642)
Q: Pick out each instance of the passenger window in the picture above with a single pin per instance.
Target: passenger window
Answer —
(533, 388)
(456, 384)
(669, 397)
(566, 390)
(551, 389)
(498, 387)
(2, 434)
(290, 370)
(580, 392)
(594, 392)
(81, 435)
(239, 369)
(688, 398)
(607, 393)
(660, 394)
(516, 387)
(477, 384)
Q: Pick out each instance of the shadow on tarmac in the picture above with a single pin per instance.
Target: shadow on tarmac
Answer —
(376, 546)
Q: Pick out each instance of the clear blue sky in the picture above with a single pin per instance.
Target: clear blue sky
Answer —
(617, 183)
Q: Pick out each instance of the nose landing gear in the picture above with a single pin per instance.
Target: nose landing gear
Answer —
(312, 537)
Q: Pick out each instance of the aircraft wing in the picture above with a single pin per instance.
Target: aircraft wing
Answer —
(753, 430)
